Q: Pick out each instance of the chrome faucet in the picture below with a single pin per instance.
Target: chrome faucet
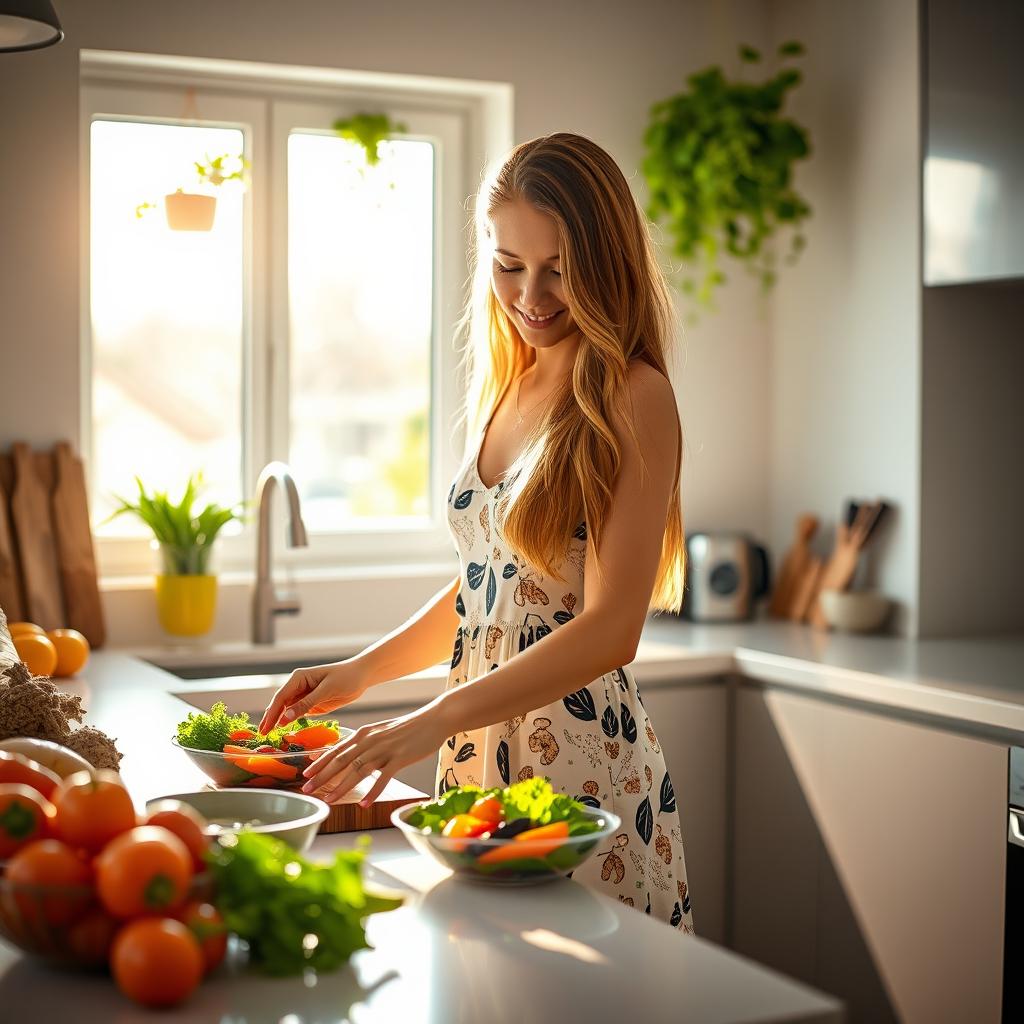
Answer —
(267, 601)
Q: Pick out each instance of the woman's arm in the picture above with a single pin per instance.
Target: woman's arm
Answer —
(602, 637)
(423, 640)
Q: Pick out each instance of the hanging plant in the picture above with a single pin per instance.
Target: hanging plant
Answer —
(719, 165)
(195, 211)
(368, 130)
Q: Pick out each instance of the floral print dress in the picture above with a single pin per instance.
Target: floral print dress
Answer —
(597, 744)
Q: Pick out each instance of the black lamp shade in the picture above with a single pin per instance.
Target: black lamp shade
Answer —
(28, 25)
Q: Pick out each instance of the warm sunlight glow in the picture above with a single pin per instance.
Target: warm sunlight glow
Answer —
(360, 280)
(166, 319)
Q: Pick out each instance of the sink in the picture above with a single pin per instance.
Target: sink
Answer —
(277, 666)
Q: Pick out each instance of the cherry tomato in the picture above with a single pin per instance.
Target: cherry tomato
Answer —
(465, 826)
(207, 925)
(489, 809)
(156, 961)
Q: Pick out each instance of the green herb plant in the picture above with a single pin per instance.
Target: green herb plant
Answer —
(185, 537)
(532, 798)
(719, 166)
(214, 172)
(368, 130)
(211, 730)
(293, 914)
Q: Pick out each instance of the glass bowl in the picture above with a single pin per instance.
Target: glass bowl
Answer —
(280, 770)
(66, 925)
(537, 864)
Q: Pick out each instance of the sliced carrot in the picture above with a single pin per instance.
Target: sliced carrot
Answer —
(231, 748)
(238, 756)
(535, 842)
(242, 734)
(314, 736)
(261, 765)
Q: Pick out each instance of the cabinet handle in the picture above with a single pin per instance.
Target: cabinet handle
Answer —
(1016, 834)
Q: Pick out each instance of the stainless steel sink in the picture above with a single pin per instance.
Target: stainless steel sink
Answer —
(275, 666)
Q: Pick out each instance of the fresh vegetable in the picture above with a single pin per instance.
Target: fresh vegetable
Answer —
(488, 808)
(293, 913)
(217, 729)
(25, 815)
(156, 961)
(314, 736)
(19, 768)
(92, 809)
(51, 863)
(144, 871)
(205, 922)
(57, 758)
(533, 799)
(535, 842)
(186, 823)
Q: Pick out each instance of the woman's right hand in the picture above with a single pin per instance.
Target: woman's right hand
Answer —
(317, 690)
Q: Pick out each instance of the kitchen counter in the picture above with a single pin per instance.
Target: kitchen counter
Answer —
(970, 683)
(455, 951)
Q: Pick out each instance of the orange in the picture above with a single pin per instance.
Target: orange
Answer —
(92, 809)
(145, 871)
(37, 651)
(72, 650)
(24, 627)
(156, 961)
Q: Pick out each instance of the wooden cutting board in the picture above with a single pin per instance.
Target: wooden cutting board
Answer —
(794, 568)
(10, 573)
(37, 547)
(347, 816)
(75, 559)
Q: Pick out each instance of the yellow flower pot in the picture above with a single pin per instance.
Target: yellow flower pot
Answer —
(186, 604)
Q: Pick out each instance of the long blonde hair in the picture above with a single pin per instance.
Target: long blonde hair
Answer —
(616, 293)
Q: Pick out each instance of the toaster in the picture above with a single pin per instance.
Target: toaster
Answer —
(726, 572)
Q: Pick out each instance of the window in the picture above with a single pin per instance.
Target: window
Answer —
(312, 324)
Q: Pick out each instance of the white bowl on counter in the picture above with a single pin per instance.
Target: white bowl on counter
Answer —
(854, 611)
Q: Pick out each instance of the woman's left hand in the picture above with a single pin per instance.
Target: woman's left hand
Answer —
(386, 746)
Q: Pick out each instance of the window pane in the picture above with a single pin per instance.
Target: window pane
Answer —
(166, 319)
(360, 279)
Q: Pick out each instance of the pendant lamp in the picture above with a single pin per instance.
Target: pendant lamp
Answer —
(28, 25)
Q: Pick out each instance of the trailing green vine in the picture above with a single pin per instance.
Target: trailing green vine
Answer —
(719, 166)
(368, 130)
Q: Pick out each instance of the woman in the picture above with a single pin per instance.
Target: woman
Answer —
(567, 519)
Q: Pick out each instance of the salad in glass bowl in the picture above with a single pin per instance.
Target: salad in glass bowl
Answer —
(523, 833)
(232, 752)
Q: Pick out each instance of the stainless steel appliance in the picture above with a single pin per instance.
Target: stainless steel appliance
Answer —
(726, 572)
(1013, 933)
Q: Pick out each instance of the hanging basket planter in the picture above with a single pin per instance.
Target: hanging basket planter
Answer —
(190, 211)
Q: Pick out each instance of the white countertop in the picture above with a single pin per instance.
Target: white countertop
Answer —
(457, 951)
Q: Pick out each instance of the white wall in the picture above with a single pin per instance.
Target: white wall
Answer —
(846, 319)
(591, 67)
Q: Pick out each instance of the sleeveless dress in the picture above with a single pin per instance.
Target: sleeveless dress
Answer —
(597, 744)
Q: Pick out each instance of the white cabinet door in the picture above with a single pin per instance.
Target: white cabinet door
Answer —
(869, 857)
(690, 720)
(913, 820)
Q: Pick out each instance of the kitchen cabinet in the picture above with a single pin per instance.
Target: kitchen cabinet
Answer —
(690, 721)
(869, 856)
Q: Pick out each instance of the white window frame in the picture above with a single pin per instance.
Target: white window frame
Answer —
(472, 123)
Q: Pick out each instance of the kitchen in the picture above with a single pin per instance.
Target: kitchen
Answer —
(779, 735)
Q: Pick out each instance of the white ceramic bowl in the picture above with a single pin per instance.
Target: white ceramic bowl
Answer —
(294, 818)
(856, 611)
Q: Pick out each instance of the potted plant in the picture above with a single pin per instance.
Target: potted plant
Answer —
(186, 589)
(719, 165)
(195, 211)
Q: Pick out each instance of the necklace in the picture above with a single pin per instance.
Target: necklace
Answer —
(519, 384)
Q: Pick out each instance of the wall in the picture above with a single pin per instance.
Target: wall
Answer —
(585, 67)
(845, 378)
